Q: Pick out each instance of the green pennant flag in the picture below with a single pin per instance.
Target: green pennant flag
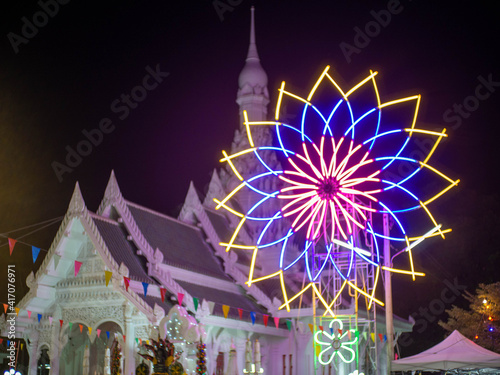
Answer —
(196, 301)
(70, 326)
(289, 324)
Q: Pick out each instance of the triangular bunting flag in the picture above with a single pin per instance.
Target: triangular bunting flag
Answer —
(12, 243)
(39, 317)
(180, 297)
(17, 310)
(385, 338)
(5, 307)
(372, 335)
(276, 321)
(311, 327)
(70, 326)
(29, 314)
(318, 350)
(50, 320)
(331, 331)
(163, 291)
(240, 313)
(107, 334)
(211, 307)
(253, 315)
(1, 340)
(356, 333)
(126, 281)
(349, 334)
(145, 287)
(81, 327)
(225, 310)
(78, 265)
(90, 330)
(321, 328)
(396, 356)
(124, 337)
(265, 318)
(196, 301)
(140, 341)
(289, 324)
(60, 322)
(300, 326)
(21, 346)
(340, 331)
(35, 251)
(381, 337)
(107, 276)
(137, 340)
(98, 332)
(57, 258)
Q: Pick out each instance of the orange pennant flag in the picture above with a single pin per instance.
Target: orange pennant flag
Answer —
(12, 243)
(107, 276)
(225, 310)
(81, 327)
(17, 310)
(5, 306)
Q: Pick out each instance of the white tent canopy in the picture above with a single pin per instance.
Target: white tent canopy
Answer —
(454, 352)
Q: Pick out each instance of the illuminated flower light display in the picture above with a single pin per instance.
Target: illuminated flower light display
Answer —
(334, 187)
(338, 342)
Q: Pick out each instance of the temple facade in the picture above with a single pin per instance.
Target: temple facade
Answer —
(126, 274)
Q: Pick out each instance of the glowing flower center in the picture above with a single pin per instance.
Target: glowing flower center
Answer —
(328, 188)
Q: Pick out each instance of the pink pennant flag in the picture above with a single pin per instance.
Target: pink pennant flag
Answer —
(265, 318)
(29, 314)
(180, 297)
(98, 332)
(276, 321)
(12, 243)
(50, 320)
(77, 267)
(126, 281)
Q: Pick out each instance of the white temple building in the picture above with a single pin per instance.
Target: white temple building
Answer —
(182, 256)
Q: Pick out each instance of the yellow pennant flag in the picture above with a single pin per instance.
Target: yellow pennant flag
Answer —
(311, 327)
(373, 337)
(107, 275)
(318, 350)
(225, 309)
(90, 331)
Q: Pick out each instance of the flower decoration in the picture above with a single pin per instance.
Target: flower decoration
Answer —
(343, 169)
(338, 342)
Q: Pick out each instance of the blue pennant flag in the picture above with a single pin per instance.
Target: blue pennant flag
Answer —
(35, 251)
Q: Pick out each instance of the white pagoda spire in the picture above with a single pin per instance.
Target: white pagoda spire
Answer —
(253, 95)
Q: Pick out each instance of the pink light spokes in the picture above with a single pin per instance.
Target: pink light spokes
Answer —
(322, 191)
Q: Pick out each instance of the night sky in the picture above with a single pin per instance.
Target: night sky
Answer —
(66, 77)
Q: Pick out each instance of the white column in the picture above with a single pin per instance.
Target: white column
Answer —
(33, 351)
(128, 345)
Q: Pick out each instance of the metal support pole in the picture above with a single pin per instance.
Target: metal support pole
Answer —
(388, 296)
